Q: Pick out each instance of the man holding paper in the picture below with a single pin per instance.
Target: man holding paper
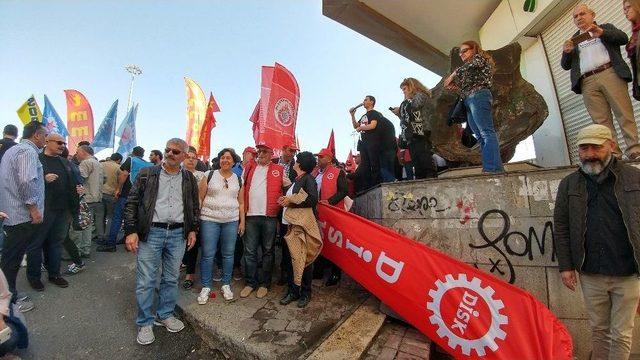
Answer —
(599, 73)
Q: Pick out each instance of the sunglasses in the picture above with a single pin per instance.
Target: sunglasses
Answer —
(173, 151)
(226, 183)
(58, 142)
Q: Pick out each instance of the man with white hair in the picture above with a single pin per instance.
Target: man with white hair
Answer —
(161, 212)
(600, 74)
(597, 234)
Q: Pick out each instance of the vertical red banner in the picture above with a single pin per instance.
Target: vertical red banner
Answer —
(79, 119)
(204, 147)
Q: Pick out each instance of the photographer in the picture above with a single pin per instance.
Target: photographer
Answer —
(414, 113)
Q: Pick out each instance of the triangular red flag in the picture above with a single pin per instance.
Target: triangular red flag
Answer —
(332, 144)
(204, 148)
(255, 119)
(350, 163)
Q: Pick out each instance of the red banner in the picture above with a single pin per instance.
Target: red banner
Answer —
(279, 98)
(204, 143)
(469, 313)
(79, 119)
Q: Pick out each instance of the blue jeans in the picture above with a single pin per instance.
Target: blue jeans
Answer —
(259, 231)
(162, 250)
(480, 119)
(116, 221)
(210, 233)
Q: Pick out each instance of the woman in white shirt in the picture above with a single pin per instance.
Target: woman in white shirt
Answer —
(221, 219)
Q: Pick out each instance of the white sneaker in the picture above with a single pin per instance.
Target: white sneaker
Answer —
(227, 294)
(204, 295)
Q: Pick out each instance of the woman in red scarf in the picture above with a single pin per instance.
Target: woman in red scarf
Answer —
(632, 12)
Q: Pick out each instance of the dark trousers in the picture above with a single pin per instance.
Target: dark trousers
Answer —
(51, 235)
(372, 163)
(307, 275)
(190, 257)
(387, 161)
(322, 263)
(116, 221)
(72, 249)
(260, 231)
(237, 254)
(422, 157)
(18, 238)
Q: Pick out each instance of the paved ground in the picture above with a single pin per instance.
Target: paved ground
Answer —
(398, 341)
(94, 318)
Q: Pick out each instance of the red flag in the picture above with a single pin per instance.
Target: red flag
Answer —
(351, 163)
(255, 119)
(279, 101)
(469, 313)
(204, 146)
(332, 144)
(79, 119)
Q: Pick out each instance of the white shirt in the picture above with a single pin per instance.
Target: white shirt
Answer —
(319, 179)
(258, 192)
(593, 54)
(221, 203)
(289, 192)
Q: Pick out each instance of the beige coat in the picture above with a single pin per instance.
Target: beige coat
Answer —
(303, 236)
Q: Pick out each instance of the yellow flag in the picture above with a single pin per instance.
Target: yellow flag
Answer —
(196, 111)
(29, 111)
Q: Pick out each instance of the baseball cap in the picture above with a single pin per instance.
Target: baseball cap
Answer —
(250, 149)
(291, 146)
(263, 146)
(594, 134)
(325, 152)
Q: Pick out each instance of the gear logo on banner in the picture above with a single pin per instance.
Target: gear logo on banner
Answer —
(284, 112)
(467, 314)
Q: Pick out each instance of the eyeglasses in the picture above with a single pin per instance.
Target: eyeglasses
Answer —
(173, 151)
(58, 142)
(463, 51)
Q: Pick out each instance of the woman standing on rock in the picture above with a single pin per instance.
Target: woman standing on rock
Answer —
(473, 82)
(221, 219)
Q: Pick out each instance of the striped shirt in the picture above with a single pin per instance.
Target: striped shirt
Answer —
(21, 183)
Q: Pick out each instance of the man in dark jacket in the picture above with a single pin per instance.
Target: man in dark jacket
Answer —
(162, 210)
(597, 234)
(600, 74)
(9, 136)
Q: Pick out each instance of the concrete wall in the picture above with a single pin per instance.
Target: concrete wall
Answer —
(501, 224)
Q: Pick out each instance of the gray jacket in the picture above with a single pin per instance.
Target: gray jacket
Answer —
(612, 38)
(570, 213)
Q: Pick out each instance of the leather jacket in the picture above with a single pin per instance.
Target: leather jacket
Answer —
(570, 213)
(139, 209)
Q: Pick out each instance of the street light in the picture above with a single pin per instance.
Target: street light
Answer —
(134, 70)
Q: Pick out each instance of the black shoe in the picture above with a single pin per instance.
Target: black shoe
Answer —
(106, 248)
(304, 301)
(36, 284)
(333, 280)
(59, 281)
(289, 298)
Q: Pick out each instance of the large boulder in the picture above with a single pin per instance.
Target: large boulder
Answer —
(518, 110)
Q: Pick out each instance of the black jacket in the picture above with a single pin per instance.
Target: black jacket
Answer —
(308, 183)
(73, 198)
(612, 38)
(139, 209)
(570, 213)
(6, 144)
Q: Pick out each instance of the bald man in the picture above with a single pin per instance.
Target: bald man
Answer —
(61, 198)
(600, 74)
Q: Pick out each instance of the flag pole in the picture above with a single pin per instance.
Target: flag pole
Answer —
(134, 70)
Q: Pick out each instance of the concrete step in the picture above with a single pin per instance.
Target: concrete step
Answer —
(354, 336)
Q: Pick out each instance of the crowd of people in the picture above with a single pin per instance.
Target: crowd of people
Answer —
(233, 212)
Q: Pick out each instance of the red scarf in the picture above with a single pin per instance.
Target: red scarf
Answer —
(631, 45)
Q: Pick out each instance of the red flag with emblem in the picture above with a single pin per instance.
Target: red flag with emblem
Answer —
(278, 113)
(204, 148)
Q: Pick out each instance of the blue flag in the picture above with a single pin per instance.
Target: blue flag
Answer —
(51, 120)
(128, 133)
(105, 138)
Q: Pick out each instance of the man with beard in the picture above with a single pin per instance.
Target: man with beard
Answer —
(597, 234)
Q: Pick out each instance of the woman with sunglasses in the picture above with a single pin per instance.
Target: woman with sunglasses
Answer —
(473, 82)
(303, 235)
(191, 255)
(221, 219)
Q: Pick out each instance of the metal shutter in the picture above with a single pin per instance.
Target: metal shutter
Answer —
(574, 114)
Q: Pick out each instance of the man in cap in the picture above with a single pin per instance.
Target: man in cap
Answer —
(597, 234)
(264, 184)
(333, 188)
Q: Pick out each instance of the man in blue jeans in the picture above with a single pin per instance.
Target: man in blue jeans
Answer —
(161, 212)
